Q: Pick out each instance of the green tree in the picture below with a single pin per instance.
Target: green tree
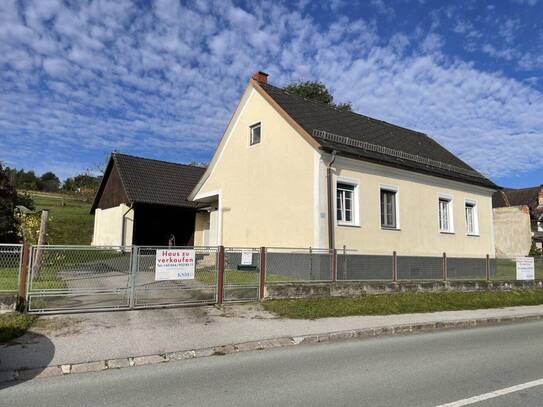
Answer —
(49, 182)
(318, 91)
(8, 201)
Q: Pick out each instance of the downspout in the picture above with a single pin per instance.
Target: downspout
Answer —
(331, 223)
(122, 226)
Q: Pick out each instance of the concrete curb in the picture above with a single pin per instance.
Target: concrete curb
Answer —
(272, 343)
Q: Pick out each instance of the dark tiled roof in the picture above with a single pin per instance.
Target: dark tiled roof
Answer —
(516, 197)
(157, 182)
(311, 115)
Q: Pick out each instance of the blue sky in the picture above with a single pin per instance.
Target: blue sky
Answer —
(160, 79)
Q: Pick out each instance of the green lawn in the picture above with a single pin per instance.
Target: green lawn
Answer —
(401, 303)
(9, 278)
(13, 325)
(71, 222)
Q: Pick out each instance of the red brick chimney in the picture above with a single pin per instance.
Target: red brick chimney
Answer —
(260, 76)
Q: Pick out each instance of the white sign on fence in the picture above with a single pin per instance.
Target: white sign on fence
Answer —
(525, 268)
(246, 258)
(175, 264)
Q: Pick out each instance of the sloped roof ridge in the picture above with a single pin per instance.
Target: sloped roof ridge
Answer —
(349, 111)
(156, 160)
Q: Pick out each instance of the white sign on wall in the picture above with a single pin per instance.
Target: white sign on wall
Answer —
(246, 258)
(525, 268)
(175, 264)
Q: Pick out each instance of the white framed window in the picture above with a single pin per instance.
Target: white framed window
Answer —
(389, 207)
(255, 134)
(346, 202)
(445, 211)
(472, 221)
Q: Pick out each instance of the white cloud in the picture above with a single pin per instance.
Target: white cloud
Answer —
(163, 80)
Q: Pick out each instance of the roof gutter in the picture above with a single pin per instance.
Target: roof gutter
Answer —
(331, 223)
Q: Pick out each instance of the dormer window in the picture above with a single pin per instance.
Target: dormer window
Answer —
(255, 134)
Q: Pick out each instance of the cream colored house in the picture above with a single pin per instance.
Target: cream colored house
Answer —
(290, 172)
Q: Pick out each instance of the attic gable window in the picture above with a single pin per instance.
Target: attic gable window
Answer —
(255, 134)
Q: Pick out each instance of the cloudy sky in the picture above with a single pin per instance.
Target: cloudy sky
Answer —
(160, 79)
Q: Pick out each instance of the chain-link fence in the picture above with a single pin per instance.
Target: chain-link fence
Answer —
(241, 274)
(151, 292)
(78, 277)
(467, 268)
(10, 267)
(419, 267)
(366, 267)
(291, 265)
(506, 268)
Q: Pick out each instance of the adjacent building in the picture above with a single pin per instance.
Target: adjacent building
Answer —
(293, 172)
(518, 220)
(144, 202)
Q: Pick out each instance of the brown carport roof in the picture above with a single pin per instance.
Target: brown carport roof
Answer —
(153, 181)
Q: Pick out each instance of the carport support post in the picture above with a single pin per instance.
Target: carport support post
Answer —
(23, 278)
(444, 266)
(262, 277)
(220, 275)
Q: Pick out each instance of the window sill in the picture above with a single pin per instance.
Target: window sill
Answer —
(444, 232)
(392, 229)
(349, 225)
(473, 234)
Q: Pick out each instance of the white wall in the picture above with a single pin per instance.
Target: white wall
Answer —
(108, 226)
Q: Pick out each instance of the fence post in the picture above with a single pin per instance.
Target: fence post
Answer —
(134, 257)
(262, 278)
(220, 276)
(487, 267)
(23, 278)
(310, 264)
(445, 266)
(344, 262)
(394, 266)
(334, 265)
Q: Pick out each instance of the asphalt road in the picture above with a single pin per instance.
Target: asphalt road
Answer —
(416, 370)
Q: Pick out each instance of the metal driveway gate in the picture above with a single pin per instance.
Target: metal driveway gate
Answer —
(71, 278)
(150, 293)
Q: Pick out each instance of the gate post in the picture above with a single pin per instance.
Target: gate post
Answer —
(23, 278)
(262, 277)
(220, 275)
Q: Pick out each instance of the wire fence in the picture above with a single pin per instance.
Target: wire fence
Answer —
(61, 278)
(10, 267)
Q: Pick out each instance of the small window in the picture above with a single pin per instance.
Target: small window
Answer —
(471, 218)
(255, 134)
(345, 203)
(388, 209)
(445, 215)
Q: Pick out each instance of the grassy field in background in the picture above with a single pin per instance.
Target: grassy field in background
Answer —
(401, 303)
(71, 222)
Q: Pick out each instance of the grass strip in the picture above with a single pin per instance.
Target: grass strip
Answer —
(400, 303)
(13, 325)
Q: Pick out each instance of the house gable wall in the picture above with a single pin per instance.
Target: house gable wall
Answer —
(267, 189)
